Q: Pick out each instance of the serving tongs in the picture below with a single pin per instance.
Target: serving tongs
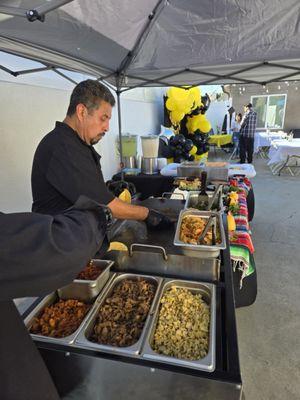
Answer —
(203, 196)
(214, 197)
(205, 230)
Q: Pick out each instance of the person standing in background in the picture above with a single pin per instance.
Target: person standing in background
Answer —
(236, 126)
(228, 120)
(247, 132)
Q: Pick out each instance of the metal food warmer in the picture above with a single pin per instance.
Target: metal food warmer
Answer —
(82, 369)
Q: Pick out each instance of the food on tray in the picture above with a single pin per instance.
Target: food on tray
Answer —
(216, 164)
(60, 319)
(186, 184)
(90, 272)
(121, 317)
(182, 329)
(191, 228)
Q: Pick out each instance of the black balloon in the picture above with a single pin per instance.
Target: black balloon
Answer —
(175, 140)
(178, 152)
(198, 139)
(191, 157)
(180, 139)
(188, 145)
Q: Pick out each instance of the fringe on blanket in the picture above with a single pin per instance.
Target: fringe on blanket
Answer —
(241, 266)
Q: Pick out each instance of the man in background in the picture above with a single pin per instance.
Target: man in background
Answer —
(247, 132)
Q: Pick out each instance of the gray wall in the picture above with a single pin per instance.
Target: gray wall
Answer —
(292, 111)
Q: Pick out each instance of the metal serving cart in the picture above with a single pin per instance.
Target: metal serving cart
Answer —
(89, 374)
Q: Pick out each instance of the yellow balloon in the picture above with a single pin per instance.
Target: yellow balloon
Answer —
(189, 124)
(205, 126)
(171, 104)
(201, 156)
(193, 150)
(176, 116)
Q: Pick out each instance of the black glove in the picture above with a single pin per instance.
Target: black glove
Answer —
(155, 220)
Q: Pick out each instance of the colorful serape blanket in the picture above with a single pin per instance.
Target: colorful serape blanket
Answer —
(243, 260)
(241, 245)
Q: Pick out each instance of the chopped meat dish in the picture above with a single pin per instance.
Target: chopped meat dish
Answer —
(90, 272)
(191, 229)
(60, 319)
(121, 317)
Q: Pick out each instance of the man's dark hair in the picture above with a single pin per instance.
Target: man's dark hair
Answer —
(249, 105)
(90, 93)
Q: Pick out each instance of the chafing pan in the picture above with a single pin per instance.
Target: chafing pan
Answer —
(87, 290)
(83, 338)
(37, 311)
(208, 292)
(201, 250)
(192, 200)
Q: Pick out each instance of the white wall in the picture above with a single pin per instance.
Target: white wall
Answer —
(28, 112)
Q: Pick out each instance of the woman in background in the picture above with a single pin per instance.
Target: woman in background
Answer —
(236, 126)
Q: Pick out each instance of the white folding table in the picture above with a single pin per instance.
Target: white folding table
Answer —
(285, 154)
(263, 140)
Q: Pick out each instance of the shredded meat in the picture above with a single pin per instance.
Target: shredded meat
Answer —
(121, 317)
(60, 319)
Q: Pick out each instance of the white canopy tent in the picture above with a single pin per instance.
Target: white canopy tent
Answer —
(133, 43)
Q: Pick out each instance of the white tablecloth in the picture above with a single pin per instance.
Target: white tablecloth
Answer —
(281, 149)
(247, 170)
(264, 139)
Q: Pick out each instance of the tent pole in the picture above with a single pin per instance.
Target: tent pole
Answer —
(118, 92)
(34, 14)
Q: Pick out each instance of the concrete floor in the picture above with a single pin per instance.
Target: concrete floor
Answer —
(268, 330)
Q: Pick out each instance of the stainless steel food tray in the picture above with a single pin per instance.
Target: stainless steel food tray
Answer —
(208, 291)
(85, 332)
(190, 168)
(47, 301)
(192, 200)
(87, 290)
(199, 250)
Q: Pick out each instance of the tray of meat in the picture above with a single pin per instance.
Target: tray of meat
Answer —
(89, 282)
(57, 320)
(119, 323)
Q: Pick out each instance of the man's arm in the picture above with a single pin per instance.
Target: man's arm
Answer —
(40, 253)
(122, 210)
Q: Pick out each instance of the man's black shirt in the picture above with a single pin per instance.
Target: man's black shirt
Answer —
(65, 167)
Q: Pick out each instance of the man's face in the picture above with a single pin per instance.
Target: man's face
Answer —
(95, 123)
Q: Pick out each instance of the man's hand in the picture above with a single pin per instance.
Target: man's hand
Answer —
(155, 220)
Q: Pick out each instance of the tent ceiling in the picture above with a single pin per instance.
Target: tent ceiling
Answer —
(161, 43)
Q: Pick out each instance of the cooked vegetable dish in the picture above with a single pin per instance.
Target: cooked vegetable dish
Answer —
(60, 319)
(121, 317)
(182, 329)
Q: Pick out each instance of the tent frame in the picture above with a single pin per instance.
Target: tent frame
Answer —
(39, 14)
(34, 14)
